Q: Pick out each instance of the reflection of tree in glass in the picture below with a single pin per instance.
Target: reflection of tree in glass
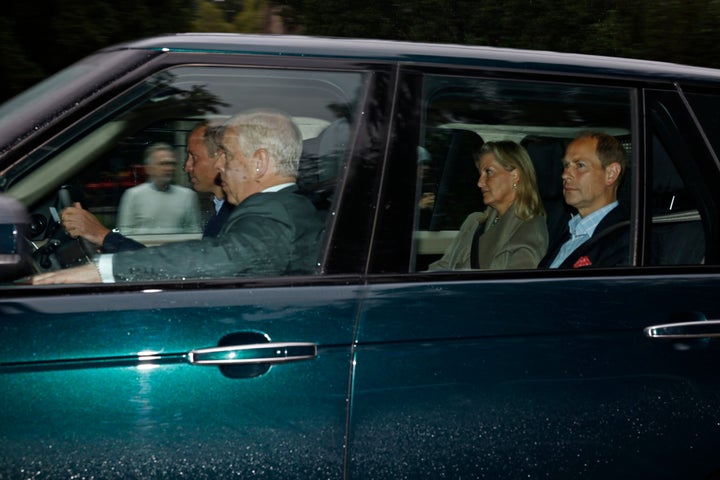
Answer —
(171, 102)
(483, 102)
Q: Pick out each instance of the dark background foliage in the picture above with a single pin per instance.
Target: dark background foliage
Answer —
(39, 37)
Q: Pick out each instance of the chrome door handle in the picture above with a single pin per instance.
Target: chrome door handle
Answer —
(269, 353)
(702, 329)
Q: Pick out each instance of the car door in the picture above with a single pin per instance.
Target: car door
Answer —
(98, 381)
(208, 378)
(531, 373)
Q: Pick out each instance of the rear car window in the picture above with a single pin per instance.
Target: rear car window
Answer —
(461, 114)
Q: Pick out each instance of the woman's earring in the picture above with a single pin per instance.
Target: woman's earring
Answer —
(514, 186)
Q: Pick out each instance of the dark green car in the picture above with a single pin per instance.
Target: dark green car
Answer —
(373, 366)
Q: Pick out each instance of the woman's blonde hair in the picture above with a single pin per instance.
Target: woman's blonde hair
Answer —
(512, 156)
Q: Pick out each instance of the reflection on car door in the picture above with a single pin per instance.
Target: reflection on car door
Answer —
(535, 379)
(94, 384)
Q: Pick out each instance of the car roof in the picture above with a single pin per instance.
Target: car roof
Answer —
(424, 53)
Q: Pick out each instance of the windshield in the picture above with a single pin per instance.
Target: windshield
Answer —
(49, 99)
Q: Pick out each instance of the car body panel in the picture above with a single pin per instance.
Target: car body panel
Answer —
(537, 378)
(112, 376)
(412, 52)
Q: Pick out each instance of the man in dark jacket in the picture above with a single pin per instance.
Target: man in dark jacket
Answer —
(273, 230)
(599, 235)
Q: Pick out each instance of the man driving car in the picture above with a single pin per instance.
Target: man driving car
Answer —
(273, 230)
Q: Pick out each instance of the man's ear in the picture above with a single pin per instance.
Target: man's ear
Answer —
(612, 173)
(262, 163)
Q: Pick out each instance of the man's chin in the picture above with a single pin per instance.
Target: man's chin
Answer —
(569, 198)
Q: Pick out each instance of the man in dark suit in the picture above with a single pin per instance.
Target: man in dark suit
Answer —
(202, 149)
(599, 235)
(202, 146)
(273, 230)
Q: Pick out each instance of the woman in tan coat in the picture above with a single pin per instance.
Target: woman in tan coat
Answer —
(511, 233)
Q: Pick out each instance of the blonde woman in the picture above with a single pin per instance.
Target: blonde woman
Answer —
(511, 233)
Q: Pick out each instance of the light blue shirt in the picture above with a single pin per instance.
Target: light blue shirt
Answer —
(218, 203)
(581, 229)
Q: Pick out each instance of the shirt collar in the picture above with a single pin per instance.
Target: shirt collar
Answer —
(218, 203)
(276, 188)
(586, 225)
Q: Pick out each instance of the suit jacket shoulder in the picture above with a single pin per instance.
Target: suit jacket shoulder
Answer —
(457, 254)
(510, 244)
(514, 243)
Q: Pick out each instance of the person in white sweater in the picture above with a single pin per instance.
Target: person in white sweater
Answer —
(158, 206)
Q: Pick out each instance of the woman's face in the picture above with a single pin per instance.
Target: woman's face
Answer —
(496, 183)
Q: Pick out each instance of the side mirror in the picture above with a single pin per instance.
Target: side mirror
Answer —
(15, 248)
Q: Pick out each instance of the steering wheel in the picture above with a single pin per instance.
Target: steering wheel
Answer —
(59, 250)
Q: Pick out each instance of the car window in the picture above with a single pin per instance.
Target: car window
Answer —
(683, 210)
(676, 230)
(101, 158)
(461, 114)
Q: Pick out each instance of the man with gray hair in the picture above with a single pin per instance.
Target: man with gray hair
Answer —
(273, 230)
